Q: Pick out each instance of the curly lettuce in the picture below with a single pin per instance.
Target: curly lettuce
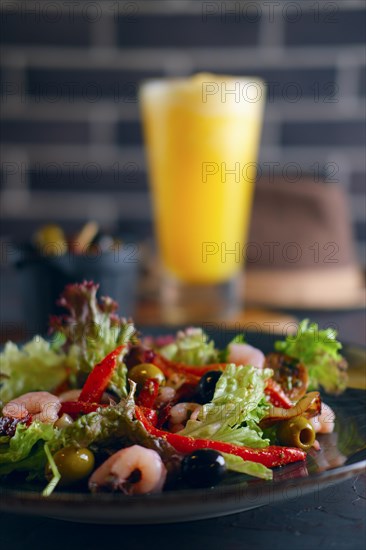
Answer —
(318, 350)
(25, 450)
(237, 407)
(91, 329)
(36, 366)
(191, 346)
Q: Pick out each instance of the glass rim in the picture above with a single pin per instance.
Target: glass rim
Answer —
(165, 81)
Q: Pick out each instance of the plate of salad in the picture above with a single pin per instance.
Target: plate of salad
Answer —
(101, 422)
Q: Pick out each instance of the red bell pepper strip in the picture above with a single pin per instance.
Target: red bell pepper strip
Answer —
(276, 395)
(148, 394)
(163, 415)
(269, 456)
(75, 408)
(151, 415)
(168, 367)
(199, 371)
(99, 377)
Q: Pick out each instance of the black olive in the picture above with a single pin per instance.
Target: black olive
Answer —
(207, 385)
(203, 468)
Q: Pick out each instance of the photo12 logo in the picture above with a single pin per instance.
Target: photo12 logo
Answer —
(289, 252)
(237, 91)
(248, 172)
(69, 11)
(56, 173)
(239, 12)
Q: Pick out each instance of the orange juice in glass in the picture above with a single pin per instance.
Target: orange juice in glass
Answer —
(202, 135)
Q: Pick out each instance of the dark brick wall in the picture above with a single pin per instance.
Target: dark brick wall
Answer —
(44, 132)
(70, 73)
(324, 25)
(343, 133)
(90, 84)
(26, 28)
(187, 31)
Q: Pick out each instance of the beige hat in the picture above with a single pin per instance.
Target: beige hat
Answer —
(300, 252)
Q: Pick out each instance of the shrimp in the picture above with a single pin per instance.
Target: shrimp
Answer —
(244, 354)
(41, 405)
(134, 471)
(180, 413)
(70, 395)
(165, 395)
(323, 423)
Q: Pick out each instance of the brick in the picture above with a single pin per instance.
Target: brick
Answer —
(347, 133)
(337, 27)
(27, 28)
(90, 85)
(25, 131)
(91, 177)
(130, 133)
(186, 31)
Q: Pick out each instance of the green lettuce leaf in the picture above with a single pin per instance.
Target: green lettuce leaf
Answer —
(191, 346)
(318, 350)
(34, 367)
(237, 407)
(254, 469)
(25, 450)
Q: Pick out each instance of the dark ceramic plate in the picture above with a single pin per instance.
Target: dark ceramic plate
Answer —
(342, 455)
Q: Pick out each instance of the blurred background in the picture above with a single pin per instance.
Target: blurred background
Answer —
(71, 139)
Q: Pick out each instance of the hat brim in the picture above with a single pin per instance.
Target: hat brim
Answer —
(341, 288)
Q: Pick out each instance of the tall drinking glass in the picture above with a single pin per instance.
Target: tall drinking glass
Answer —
(202, 135)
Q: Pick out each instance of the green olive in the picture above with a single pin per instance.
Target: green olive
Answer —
(144, 371)
(73, 464)
(296, 432)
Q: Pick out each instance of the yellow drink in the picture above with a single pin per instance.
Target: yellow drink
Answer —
(202, 135)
